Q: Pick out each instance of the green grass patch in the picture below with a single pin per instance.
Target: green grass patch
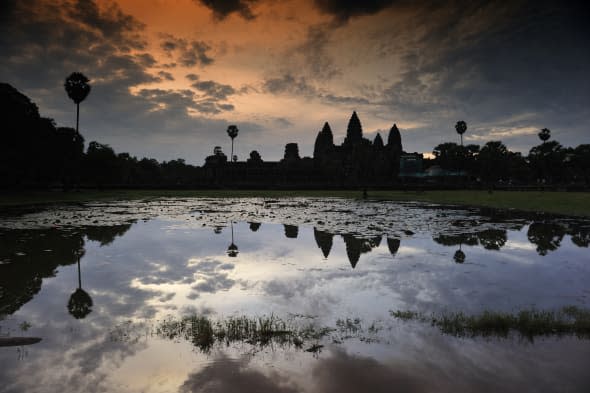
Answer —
(570, 320)
(566, 203)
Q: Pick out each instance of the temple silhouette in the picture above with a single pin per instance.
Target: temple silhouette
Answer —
(357, 161)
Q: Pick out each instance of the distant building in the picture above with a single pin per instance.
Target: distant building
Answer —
(356, 162)
(410, 165)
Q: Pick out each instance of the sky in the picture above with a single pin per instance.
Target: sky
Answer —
(168, 77)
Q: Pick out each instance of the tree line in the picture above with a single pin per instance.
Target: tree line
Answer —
(546, 163)
(36, 153)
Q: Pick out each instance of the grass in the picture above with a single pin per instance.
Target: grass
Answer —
(570, 320)
(566, 203)
(204, 333)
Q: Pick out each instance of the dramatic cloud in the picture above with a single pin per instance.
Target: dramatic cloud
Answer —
(174, 77)
(344, 10)
(189, 53)
(225, 375)
(288, 83)
(217, 91)
(223, 8)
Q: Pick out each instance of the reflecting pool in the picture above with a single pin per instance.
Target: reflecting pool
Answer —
(291, 295)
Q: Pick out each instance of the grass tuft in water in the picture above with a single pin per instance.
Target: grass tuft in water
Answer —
(203, 333)
(570, 320)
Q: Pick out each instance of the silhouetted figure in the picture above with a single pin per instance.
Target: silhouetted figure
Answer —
(232, 132)
(232, 249)
(393, 245)
(291, 231)
(254, 226)
(324, 240)
(461, 127)
(80, 303)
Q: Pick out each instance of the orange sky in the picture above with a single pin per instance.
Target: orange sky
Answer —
(280, 69)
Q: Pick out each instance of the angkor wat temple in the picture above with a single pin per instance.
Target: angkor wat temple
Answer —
(356, 162)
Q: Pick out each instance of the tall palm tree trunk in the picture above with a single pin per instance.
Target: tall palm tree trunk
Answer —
(79, 275)
(231, 159)
(77, 118)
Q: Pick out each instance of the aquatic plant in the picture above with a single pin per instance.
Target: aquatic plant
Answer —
(569, 320)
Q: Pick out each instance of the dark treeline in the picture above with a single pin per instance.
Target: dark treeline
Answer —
(548, 163)
(36, 153)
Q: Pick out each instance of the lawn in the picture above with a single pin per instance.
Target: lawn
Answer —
(566, 203)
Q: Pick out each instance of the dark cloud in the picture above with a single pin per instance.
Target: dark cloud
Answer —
(111, 22)
(223, 8)
(346, 9)
(288, 83)
(317, 60)
(518, 66)
(344, 373)
(166, 75)
(212, 89)
(226, 375)
(41, 42)
(192, 77)
(188, 53)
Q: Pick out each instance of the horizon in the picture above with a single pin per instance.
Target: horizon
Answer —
(280, 70)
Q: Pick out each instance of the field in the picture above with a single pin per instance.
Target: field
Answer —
(563, 203)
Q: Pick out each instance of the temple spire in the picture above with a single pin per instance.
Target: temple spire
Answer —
(354, 131)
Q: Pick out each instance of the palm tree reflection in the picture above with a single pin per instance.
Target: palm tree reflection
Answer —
(232, 249)
(80, 303)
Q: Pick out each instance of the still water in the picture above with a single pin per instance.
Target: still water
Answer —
(107, 286)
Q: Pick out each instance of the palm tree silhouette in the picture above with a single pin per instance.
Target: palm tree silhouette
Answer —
(461, 127)
(232, 131)
(545, 134)
(80, 303)
(77, 87)
(459, 256)
(232, 249)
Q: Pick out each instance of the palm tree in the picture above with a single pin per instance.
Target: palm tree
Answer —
(545, 134)
(232, 131)
(232, 249)
(80, 303)
(77, 87)
(461, 127)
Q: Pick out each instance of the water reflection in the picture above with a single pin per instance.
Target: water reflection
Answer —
(254, 226)
(291, 231)
(80, 303)
(232, 249)
(393, 245)
(30, 256)
(324, 240)
(321, 273)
